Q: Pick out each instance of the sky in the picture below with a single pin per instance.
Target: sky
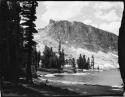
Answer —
(100, 14)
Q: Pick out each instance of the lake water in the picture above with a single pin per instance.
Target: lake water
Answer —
(107, 78)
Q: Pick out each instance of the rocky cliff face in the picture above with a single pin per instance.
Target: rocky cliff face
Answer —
(77, 37)
(85, 36)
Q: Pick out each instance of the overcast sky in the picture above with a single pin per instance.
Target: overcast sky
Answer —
(103, 15)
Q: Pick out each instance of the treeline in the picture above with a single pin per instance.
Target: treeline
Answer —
(82, 62)
(56, 60)
(85, 64)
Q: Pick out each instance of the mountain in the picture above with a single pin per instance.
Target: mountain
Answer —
(77, 37)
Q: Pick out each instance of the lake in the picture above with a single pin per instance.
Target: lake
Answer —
(106, 78)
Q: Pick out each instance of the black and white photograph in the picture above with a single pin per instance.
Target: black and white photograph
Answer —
(62, 48)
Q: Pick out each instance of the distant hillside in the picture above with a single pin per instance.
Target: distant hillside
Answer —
(81, 35)
(79, 38)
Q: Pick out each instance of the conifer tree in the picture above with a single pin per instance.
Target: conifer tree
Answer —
(49, 58)
(59, 51)
(92, 62)
(16, 47)
(62, 58)
(80, 62)
(3, 36)
(28, 12)
(88, 64)
(11, 36)
(74, 65)
(45, 57)
(84, 61)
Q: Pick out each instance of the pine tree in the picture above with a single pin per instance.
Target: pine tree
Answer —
(12, 37)
(4, 34)
(88, 64)
(92, 62)
(28, 13)
(80, 62)
(62, 58)
(59, 51)
(49, 58)
(45, 57)
(36, 57)
(84, 61)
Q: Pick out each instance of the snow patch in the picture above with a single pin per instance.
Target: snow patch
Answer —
(49, 75)
(107, 66)
(53, 75)
(115, 86)
(80, 74)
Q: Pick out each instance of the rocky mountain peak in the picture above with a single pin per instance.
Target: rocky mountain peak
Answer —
(84, 36)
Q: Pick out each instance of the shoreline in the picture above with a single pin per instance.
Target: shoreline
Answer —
(50, 88)
(87, 89)
(82, 87)
(44, 79)
(43, 75)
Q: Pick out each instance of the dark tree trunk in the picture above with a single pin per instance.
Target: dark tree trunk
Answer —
(121, 48)
(9, 30)
(28, 69)
(3, 36)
